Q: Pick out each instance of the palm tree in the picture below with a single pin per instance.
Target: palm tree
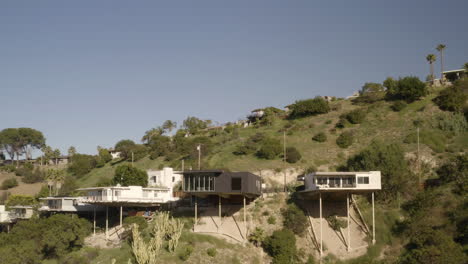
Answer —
(441, 48)
(158, 131)
(431, 58)
(169, 125)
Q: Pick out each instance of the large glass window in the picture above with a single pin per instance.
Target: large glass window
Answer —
(334, 182)
(321, 181)
(348, 182)
(200, 183)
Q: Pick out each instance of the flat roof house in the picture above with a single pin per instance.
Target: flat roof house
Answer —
(355, 182)
(218, 182)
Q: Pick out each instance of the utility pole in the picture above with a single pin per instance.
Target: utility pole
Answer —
(183, 164)
(132, 158)
(199, 156)
(284, 158)
(418, 160)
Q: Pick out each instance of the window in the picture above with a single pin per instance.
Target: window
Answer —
(155, 194)
(363, 180)
(321, 181)
(236, 184)
(117, 193)
(173, 179)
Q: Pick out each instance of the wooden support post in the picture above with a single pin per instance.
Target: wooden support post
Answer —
(94, 220)
(107, 222)
(321, 231)
(121, 213)
(373, 220)
(219, 210)
(349, 226)
(196, 208)
(245, 220)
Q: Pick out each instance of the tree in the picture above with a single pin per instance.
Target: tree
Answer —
(103, 156)
(15, 200)
(441, 49)
(390, 85)
(456, 170)
(371, 92)
(125, 148)
(154, 132)
(281, 246)
(194, 125)
(390, 160)
(56, 155)
(82, 164)
(55, 178)
(127, 175)
(408, 88)
(169, 125)
(309, 107)
(19, 141)
(71, 152)
(431, 58)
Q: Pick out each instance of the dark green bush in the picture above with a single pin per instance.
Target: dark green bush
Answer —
(453, 98)
(82, 164)
(294, 219)
(211, 252)
(9, 183)
(320, 137)
(8, 168)
(398, 106)
(127, 175)
(270, 148)
(309, 107)
(356, 116)
(345, 139)
(408, 88)
(281, 246)
(292, 155)
(271, 220)
(186, 252)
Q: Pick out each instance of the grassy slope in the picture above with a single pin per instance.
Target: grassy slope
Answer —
(381, 123)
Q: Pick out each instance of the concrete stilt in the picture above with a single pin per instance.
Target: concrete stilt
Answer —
(373, 219)
(348, 225)
(107, 222)
(245, 219)
(121, 213)
(196, 211)
(94, 220)
(219, 211)
(321, 231)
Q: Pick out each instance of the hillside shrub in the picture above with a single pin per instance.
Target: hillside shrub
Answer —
(408, 89)
(455, 170)
(19, 199)
(292, 155)
(271, 220)
(320, 137)
(450, 122)
(257, 237)
(336, 223)
(453, 98)
(33, 176)
(356, 116)
(211, 252)
(309, 107)
(9, 183)
(370, 93)
(398, 106)
(281, 246)
(294, 219)
(186, 252)
(345, 139)
(270, 148)
(8, 168)
(245, 149)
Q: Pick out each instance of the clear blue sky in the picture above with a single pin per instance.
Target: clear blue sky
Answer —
(90, 73)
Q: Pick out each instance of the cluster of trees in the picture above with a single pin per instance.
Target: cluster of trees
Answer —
(20, 141)
(309, 107)
(33, 241)
(454, 98)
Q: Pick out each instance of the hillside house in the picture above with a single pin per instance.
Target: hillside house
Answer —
(357, 182)
(66, 204)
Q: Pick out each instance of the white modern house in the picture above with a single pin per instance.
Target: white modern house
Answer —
(15, 213)
(65, 204)
(356, 182)
(338, 186)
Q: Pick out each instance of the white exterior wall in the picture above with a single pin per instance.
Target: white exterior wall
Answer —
(4, 215)
(374, 181)
(115, 154)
